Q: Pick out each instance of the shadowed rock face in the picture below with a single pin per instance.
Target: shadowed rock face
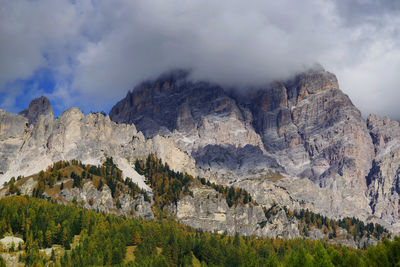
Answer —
(39, 107)
(312, 128)
(384, 178)
(307, 124)
(194, 114)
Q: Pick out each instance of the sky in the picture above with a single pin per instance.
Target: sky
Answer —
(89, 53)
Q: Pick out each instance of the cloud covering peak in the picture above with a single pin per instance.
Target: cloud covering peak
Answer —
(90, 53)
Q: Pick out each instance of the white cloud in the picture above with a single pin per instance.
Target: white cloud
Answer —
(35, 34)
(100, 49)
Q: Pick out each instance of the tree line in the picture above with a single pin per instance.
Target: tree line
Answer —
(104, 239)
(169, 186)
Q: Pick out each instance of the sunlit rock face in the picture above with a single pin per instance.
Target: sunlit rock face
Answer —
(208, 210)
(29, 148)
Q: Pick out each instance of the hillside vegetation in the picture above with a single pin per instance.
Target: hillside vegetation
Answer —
(169, 186)
(104, 239)
(79, 237)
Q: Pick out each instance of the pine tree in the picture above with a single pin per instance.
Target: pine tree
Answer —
(48, 238)
(321, 257)
(136, 238)
(100, 186)
(53, 256)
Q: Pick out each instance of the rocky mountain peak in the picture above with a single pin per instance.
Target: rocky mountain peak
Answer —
(303, 127)
(174, 75)
(39, 107)
(315, 81)
(161, 106)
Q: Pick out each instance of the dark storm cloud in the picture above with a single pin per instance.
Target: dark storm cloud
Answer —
(361, 11)
(97, 50)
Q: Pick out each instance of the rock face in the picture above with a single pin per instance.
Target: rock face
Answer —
(305, 127)
(28, 148)
(39, 107)
(383, 179)
(208, 210)
(313, 129)
(306, 124)
(12, 133)
(9, 241)
(91, 198)
(194, 114)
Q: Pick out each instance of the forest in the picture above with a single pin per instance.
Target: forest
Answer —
(355, 228)
(60, 172)
(169, 186)
(80, 237)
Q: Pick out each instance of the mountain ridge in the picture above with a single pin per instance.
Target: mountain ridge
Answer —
(299, 143)
(306, 126)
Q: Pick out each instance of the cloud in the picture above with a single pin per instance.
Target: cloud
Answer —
(35, 34)
(98, 50)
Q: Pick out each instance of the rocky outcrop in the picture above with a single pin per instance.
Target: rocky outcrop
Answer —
(312, 129)
(194, 114)
(9, 241)
(208, 210)
(39, 107)
(307, 124)
(90, 198)
(12, 133)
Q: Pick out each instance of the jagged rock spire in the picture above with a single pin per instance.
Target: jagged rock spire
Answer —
(38, 107)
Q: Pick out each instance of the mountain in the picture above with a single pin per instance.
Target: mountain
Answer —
(298, 144)
(29, 148)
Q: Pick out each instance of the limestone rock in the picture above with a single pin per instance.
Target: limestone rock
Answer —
(12, 259)
(208, 210)
(194, 114)
(39, 107)
(28, 149)
(384, 177)
(12, 133)
(313, 129)
(300, 143)
(27, 187)
(90, 198)
(8, 241)
(305, 127)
